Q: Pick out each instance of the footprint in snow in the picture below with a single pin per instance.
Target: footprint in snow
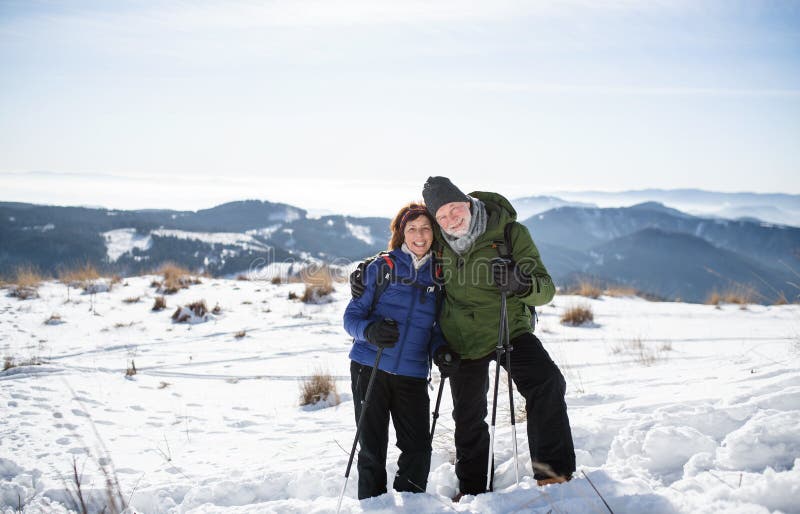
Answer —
(242, 424)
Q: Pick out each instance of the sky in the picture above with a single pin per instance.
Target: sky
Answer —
(349, 105)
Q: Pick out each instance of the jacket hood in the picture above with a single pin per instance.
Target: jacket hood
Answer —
(496, 202)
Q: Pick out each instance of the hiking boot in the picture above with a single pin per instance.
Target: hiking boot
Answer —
(554, 480)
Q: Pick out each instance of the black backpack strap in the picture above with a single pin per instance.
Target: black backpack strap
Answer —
(438, 281)
(383, 278)
(505, 250)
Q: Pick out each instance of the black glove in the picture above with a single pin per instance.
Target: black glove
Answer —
(383, 334)
(357, 280)
(509, 278)
(446, 360)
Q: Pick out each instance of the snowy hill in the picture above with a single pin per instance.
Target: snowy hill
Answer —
(675, 408)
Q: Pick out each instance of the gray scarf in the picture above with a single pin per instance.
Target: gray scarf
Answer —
(477, 226)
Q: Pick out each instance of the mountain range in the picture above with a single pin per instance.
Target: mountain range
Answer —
(660, 251)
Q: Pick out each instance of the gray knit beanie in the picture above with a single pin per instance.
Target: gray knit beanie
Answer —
(439, 191)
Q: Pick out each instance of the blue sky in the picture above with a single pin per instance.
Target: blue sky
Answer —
(327, 103)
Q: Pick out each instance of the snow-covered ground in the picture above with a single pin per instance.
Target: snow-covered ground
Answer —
(675, 408)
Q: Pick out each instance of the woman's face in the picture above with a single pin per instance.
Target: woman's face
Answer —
(418, 235)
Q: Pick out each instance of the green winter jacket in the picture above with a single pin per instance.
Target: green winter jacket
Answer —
(470, 316)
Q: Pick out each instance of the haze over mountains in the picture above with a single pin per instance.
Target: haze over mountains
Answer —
(658, 250)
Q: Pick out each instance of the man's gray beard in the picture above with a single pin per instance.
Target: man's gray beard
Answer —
(463, 231)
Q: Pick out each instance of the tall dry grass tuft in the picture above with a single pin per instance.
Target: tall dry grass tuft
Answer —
(26, 282)
(781, 299)
(577, 315)
(80, 276)
(587, 288)
(175, 278)
(318, 281)
(160, 303)
(739, 295)
(183, 314)
(317, 388)
(621, 291)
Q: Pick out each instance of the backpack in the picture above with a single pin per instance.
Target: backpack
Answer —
(504, 250)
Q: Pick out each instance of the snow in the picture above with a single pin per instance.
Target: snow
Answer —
(675, 408)
(124, 240)
(360, 232)
(245, 241)
(39, 228)
(265, 232)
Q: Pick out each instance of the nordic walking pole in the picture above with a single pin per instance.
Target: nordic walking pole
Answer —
(364, 406)
(508, 348)
(500, 348)
(438, 402)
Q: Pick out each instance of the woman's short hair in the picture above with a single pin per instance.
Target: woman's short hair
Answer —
(409, 212)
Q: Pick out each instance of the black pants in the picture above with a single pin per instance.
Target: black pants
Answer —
(542, 385)
(406, 399)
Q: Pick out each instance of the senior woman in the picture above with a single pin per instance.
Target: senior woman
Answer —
(396, 312)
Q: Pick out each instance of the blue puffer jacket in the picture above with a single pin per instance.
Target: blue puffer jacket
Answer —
(411, 301)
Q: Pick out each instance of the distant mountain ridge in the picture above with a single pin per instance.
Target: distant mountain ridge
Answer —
(657, 249)
(778, 208)
(225, 239)
(668, 253)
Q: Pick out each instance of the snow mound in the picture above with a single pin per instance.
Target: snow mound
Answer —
(768, 439)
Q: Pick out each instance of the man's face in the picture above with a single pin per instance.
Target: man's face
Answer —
(454, 218)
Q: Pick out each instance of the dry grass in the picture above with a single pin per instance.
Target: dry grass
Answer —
(10, 362)
(276, 280)
(240, 334)
(621, 291)
(175, 279)
(587, 288)
(243, 278)
(131, 369)
(781, 299)
(319, 387)
(26, 282)
(132, 299)
(197, 308)
(577, 315)
(643, 352)
(79, 277)
(54, 319)
(160, 303)
(737, 296)
(318, 281)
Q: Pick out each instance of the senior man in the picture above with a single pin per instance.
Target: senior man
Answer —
(476, 229)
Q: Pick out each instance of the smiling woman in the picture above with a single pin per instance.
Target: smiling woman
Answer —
(395, 335)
